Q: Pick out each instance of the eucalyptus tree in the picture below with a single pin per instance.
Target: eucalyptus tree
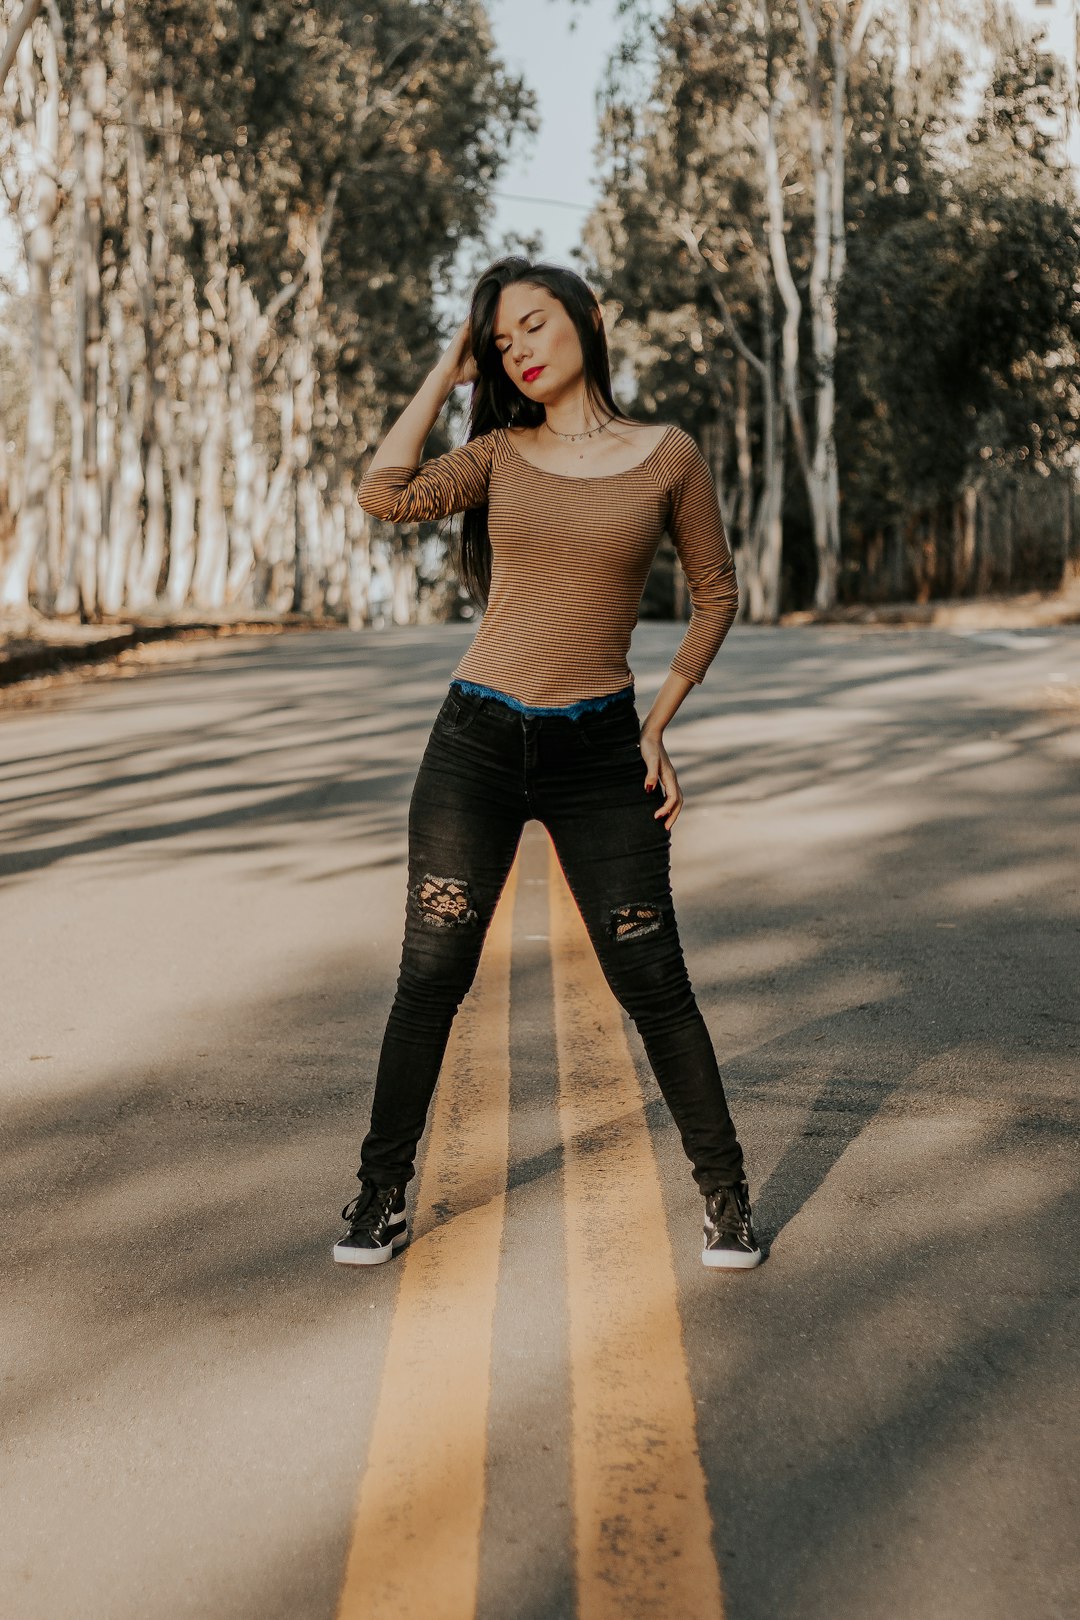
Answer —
(795, 196)
(738, 148)
(30, 115)
(265, 196)
(680, 239)
(334, 158)
(960, 321)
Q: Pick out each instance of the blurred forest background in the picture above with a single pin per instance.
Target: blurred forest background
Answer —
(836, 241)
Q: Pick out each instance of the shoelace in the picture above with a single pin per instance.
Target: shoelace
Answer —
(365, 1212)
(733, 1214)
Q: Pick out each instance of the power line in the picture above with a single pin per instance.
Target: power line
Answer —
(550, 202)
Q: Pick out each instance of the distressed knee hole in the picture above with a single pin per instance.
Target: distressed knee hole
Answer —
(443, 902)
(634, 921)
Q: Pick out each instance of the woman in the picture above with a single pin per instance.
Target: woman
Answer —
(565, 501)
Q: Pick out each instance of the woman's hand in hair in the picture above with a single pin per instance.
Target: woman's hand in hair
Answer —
(661, 777)
(457, 365)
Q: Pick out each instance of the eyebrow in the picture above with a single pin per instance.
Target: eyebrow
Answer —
(521, 321)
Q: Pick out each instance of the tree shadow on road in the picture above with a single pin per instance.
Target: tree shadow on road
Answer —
(882, 1409)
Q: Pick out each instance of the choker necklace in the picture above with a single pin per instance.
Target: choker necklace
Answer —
(574, 437)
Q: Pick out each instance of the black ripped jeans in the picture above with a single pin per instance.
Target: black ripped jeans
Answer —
(486, 771)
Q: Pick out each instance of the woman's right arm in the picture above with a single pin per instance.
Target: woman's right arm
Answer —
(395, 486)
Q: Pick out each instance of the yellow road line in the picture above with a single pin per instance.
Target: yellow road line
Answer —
(643, 1527)
(415, 1546)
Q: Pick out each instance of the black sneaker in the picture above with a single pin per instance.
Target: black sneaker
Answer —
(729, 1230)
(377, 1226)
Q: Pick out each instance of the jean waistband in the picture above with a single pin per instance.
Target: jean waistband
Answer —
(570, 710)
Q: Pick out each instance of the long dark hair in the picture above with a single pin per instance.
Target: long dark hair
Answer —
(497, 402)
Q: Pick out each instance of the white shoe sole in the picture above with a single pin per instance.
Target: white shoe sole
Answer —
(347, 1254)
(730, 1259)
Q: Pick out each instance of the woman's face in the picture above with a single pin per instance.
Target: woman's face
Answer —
(538, 342)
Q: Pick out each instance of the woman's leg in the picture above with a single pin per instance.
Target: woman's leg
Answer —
(615, 855)
(465, 821)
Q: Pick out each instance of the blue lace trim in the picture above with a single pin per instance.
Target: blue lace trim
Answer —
(570, 710)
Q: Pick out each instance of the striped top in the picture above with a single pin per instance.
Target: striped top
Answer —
(570, 557)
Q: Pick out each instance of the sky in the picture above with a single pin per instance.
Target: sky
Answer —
(561, 50)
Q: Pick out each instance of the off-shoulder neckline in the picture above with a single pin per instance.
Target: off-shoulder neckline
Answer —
(590, 478)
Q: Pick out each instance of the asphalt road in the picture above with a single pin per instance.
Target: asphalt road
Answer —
(201, 898)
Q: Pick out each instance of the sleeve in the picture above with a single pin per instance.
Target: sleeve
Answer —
(439, 486)
(697, 531)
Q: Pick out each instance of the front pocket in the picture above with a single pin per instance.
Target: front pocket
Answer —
(457, 714)
(602, 729)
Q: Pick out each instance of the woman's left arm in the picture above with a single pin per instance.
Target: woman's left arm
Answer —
(653, 752)
(697, 531)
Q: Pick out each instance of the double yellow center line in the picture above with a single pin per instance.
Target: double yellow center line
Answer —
(643, 1533)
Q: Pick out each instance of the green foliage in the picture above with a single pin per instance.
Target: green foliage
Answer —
(397, 111)
(960, 319)
(959, 324)
(253, 288)
(681, 150)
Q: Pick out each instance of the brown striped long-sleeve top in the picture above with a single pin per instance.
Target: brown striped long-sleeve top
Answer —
(570, 557)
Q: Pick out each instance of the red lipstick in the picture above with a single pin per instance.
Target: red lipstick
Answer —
(533, 371)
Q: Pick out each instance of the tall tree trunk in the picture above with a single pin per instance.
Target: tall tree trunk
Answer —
(789, 295)
(1008, 535)
(39, 239)
(767, 543)
(122, 548)
(181, 526)
(86, 507)
(403, 607)
(337, 587)
(358, 529)
(305, 379)
(744, 459)
(761, 555)
(8, 506)
(1069, 559)
(827, 165)
(965, 560)
(244, 328)
(20, 27)
(148, 257)
(768, 540)
(80, 118)
(181, 451)
(212, 560)
(827, 160)
(983, 533)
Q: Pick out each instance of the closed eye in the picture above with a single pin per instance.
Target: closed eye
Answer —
(528, 329)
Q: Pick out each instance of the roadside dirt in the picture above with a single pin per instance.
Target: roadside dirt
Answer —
(1029, 611)
(55, 655)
